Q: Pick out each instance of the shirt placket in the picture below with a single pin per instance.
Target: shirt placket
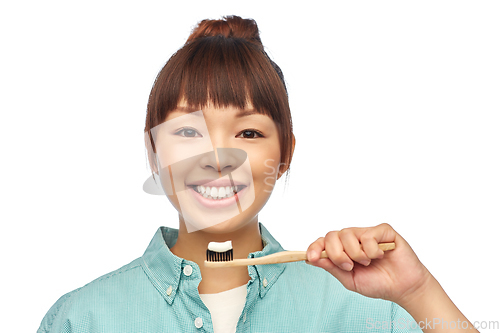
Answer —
(252, 295)
(200, 319)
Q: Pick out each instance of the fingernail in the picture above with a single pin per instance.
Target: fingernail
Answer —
(365, 262)
(346, 266)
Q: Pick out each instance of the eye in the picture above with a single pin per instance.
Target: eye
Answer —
(250, 134)
(188, 132)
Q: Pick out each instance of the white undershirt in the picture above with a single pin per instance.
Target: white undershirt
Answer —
(225, 308)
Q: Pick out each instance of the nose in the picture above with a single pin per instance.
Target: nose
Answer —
(229, 159)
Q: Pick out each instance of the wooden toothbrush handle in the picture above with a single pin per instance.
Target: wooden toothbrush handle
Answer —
(386, 246)
(279, 257)
(383, 246)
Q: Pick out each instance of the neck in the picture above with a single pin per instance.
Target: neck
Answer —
(193, 246)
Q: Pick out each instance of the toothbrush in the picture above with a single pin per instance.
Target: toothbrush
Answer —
(221, 255)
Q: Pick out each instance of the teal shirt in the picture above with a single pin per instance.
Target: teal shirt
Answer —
(158, 292)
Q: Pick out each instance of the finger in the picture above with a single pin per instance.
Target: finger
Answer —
(382, 233)
(370, 246)
(314, 250)
(350, 242)
(335, 251)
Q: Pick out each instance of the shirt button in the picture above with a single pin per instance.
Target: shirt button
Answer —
(198, 322)
(169, 290)
(188, 270)
(264, 283)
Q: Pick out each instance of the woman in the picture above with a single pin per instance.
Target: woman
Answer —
(219, 135)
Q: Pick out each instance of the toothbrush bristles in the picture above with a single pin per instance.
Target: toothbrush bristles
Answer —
(220, 256)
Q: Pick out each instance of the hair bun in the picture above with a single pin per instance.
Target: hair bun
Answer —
(229, 27)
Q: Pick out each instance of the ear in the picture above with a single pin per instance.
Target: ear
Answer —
(280, 173)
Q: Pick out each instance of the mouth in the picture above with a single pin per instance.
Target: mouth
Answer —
(217, 192)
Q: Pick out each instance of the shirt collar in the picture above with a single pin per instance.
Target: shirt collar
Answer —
(164, 269)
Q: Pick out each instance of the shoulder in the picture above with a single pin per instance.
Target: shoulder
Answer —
(91, 295)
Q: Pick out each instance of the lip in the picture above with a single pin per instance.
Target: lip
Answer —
(219, 203)
(217, 183)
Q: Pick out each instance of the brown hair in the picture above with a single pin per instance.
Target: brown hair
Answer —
(224, 62)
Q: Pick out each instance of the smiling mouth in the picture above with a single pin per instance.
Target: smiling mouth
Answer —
(217, 193)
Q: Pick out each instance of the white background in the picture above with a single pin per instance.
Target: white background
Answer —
(396, 114)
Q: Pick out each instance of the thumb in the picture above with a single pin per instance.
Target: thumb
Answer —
(344, 277)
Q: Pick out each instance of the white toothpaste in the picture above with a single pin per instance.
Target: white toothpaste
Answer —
(220, 247)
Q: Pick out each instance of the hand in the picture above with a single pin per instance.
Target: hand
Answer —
(395, 275)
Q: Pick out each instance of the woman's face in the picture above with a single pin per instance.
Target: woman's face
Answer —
(206, 156)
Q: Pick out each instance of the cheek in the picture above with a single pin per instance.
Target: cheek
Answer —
(265, 165)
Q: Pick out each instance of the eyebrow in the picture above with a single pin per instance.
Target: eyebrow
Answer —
(187, 110)
(246, 112)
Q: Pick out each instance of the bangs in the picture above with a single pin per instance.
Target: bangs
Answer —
(222, 72)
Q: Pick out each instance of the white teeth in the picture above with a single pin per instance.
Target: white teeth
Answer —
(216, 192)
